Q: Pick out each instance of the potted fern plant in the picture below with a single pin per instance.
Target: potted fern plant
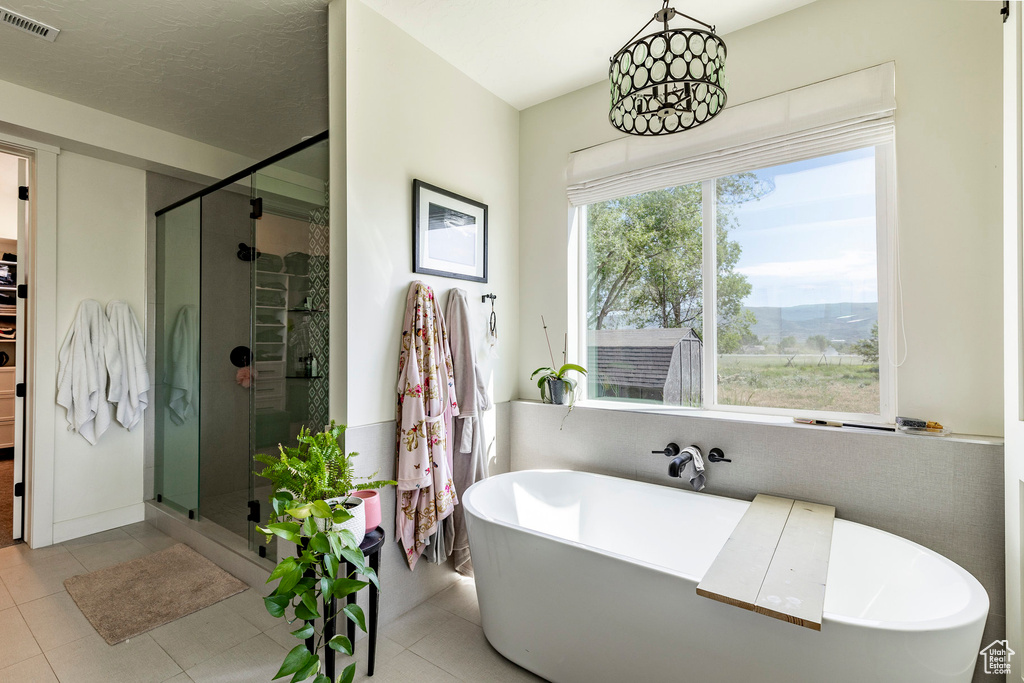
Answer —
(311, 579)
(319, 469)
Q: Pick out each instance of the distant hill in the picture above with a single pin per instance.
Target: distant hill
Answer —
(846, 321)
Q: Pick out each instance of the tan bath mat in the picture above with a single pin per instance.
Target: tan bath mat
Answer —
(133, 597)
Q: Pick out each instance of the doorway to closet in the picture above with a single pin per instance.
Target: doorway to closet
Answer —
(14, 210)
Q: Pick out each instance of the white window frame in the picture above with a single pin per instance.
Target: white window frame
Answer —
(887, 264)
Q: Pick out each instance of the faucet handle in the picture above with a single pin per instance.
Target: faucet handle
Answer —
(717, 455)
(671, 450)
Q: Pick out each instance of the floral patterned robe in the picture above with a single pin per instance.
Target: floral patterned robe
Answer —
(426, 407)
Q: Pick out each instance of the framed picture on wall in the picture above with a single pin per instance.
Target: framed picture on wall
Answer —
(449, 234)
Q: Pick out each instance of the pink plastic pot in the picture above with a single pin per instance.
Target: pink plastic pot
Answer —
(371, 503)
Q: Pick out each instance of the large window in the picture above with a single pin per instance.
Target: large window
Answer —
(791, 323)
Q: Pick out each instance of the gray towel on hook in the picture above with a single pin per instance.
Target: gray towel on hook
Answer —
(693, 470)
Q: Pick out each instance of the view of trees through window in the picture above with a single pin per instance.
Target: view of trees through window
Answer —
(796, 315)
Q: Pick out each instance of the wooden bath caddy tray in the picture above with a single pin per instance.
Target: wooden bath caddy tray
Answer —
(776, 561)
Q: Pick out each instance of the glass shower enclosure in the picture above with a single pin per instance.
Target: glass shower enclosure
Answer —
(242, 336)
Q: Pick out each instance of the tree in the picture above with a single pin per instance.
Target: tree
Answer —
(818, 342)
(645, 264)
(787, 343)
(868, 348)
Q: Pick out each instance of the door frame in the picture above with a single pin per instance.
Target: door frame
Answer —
(38, 257)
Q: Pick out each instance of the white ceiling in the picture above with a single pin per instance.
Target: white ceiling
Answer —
(528, 51)
(251, 75)
(245, 75)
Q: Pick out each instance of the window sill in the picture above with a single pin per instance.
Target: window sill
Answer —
(769, 420)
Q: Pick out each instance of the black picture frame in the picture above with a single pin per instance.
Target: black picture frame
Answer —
(424, 195)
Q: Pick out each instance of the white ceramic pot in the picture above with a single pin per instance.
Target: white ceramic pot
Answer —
(357, 524)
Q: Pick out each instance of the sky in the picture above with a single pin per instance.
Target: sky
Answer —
(812, 239)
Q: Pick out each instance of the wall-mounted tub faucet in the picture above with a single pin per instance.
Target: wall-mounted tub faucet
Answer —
(675, 468)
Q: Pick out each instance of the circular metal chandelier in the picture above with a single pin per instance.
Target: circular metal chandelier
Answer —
(669, 81)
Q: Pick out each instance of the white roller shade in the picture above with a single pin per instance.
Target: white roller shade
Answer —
(851, 111)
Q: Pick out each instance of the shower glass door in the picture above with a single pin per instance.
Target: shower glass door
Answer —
(176, 438)
(225, 314)
(290, 320)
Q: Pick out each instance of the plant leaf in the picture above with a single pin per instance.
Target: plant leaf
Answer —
(540, 370)
(321, 679)
(343, 587)
(305, 613)
(301, 511)
(312, 667)
(355, 613)
(349, 674)
(331, 565)
(309, 600)
(341, 644)
(372, 576)
(290, 580)
(304, 632)
(319, 543)
(282, 568)
(341, 515)
(336, 546)
(297, 658)
(276, 604)
(321, 510)
(356, 557)
(289, 531)
(348, 537)
(571, 366)
(280, 502)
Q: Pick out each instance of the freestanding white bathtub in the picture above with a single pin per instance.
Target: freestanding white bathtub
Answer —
(588, 578)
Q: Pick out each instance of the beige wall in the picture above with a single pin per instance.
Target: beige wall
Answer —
(101, 254)
(948, 147)
(413, 115)
(8, 196)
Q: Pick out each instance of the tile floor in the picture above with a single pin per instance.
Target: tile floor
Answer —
(44, 637)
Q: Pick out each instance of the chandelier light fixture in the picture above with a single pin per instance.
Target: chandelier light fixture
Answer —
(668, 81)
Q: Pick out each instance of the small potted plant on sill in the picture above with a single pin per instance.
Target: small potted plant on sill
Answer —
(555, 385)
(318, 469)
(312, 578)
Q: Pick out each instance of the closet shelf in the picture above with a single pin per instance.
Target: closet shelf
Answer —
(305, 310)
(303, 377)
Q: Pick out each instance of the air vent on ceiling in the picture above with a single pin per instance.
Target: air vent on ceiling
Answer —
(20, 21)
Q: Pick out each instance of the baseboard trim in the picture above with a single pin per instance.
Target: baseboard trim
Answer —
(101, 521)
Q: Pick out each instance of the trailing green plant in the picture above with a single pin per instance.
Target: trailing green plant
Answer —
(305, 582)
(317, 468)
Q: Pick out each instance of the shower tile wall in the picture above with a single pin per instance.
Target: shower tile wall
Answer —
(945, 494)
